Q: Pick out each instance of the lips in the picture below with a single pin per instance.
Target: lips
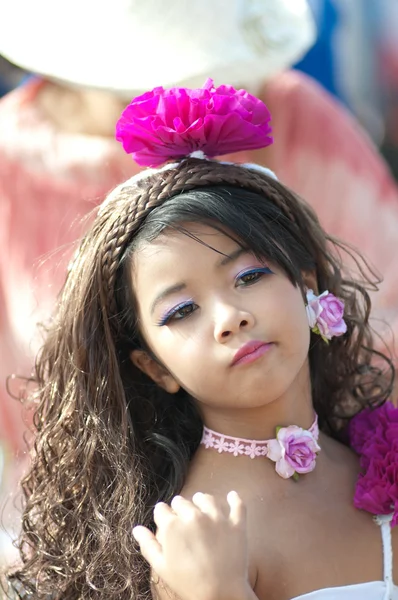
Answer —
(250, 350)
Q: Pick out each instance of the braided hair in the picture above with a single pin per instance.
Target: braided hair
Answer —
(110, 443)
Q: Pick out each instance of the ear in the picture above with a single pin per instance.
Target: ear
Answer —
(143, 361)
(310, 281)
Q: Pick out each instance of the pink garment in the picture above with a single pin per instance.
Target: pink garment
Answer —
(48, 180)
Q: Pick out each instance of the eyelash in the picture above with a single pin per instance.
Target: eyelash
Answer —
(258, 271)
(171, 314)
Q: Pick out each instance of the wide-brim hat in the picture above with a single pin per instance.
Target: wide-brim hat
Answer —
(128, 46)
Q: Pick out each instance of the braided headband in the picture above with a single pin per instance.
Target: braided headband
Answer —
(140, 196)
(181, 129)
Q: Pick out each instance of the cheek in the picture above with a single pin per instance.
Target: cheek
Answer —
(178, 353)
(294, 320)
(178, 350)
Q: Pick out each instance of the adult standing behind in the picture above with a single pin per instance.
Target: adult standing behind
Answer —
(56, 133)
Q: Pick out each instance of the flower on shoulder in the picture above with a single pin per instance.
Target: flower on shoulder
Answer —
(374, 436)
(377, 489)
(294, 451)
(162, 125)
(371, 424)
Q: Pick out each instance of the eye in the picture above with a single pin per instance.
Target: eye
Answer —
(182, 311)
(252, 276)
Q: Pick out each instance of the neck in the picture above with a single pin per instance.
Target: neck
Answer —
(294, 407)
(78, 110)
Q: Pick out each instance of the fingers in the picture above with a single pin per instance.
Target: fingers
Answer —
(237, 512)
(207, 504)
(212, 507)
(150, 548)
(162, 514)
(183, 508)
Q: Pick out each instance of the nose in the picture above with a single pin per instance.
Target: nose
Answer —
(230, 320)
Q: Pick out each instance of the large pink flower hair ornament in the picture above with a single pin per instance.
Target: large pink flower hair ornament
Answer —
(325, 315)
(164, 125)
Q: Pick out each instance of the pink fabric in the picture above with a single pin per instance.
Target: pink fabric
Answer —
(48, 180)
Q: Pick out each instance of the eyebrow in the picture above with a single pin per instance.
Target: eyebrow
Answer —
(173, 289)
(231, 257)
(178, 287)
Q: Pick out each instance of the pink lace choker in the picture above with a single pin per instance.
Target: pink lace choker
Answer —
(293, 450)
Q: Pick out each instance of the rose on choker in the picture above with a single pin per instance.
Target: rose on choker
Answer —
(293, 450)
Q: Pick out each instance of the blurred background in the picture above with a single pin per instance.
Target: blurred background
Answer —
(327, 69)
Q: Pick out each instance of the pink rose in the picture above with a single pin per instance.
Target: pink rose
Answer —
(294, 451)
(325, 314)
(171, 124)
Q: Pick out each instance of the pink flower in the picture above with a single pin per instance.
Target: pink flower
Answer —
(325, 314)
(374, 435)
(377, 489)
(373, 424)
(294, 451)
(171, 124)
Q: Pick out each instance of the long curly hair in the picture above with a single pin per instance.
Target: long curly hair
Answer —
(109, 443)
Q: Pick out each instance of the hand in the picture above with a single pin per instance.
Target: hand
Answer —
(199, 551)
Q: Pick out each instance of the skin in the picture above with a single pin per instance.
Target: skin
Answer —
(303, 535)
(79, 110)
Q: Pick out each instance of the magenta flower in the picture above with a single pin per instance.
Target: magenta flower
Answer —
(325, 314)
(162, 125)
(377, 489)
(373, 424)
(294, 451)
(374, 435)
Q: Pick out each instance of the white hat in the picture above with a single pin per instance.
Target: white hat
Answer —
(129, 46)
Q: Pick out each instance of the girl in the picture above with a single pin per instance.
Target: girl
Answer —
(199, 344)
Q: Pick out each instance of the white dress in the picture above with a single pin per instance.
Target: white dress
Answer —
(373, 590)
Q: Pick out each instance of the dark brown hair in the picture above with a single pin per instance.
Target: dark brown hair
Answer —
(109, 443)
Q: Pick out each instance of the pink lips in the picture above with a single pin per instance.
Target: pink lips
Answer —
(250, 352)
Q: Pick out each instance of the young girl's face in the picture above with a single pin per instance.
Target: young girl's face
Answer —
(198, 306)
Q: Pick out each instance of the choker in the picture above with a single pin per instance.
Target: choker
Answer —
(294, 449)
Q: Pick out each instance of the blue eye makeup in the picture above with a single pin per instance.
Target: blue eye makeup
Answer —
(186, 309)
(177, 313)
(251, 276)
